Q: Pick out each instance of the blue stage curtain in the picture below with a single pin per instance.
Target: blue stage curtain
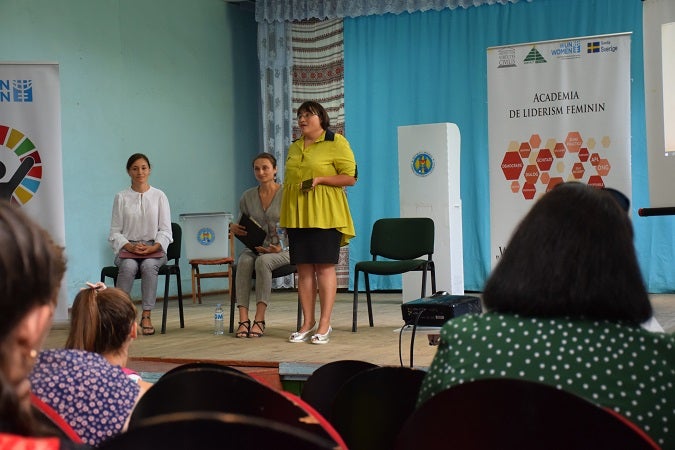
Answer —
(429, 67)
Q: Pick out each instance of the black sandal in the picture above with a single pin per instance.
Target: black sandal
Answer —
(147, 330)
(261, 327)
(247, 326)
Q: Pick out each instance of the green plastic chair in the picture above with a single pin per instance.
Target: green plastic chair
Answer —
(402, 242)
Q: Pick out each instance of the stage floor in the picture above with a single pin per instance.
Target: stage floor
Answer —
(379, 344)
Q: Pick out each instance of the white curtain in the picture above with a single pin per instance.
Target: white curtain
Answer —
(289, 10)
(276, 84)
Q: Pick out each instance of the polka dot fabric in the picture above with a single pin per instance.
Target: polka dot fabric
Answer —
(626, 368)
(92, 395)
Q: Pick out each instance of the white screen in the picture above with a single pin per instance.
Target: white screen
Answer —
(659, 66)
(668, 61)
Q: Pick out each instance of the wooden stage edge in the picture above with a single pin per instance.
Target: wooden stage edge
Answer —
(271, 373)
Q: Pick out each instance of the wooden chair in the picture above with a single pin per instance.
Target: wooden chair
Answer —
(168, 269)
(516, 414)
(197, 275)
(401, 242)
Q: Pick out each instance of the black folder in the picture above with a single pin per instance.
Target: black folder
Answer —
(255, 234)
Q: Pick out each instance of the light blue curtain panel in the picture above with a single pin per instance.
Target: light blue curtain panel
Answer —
(429, 67)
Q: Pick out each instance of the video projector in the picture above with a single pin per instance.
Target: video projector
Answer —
(435, 310)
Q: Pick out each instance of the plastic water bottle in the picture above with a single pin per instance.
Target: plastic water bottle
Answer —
(219, 322)
(283, 237)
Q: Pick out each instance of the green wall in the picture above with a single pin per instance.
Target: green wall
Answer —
(174, 79)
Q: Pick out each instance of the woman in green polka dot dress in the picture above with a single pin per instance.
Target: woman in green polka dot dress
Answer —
(564, 307)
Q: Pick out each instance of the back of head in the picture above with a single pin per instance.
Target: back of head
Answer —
(31, 267)
(101, 320)
(572, 255)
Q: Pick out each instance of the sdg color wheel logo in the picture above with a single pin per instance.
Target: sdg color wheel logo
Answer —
(20, 167)
(422, 164)
(206, 236)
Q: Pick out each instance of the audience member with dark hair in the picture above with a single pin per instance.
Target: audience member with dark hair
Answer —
(564, 307)
(31, 270)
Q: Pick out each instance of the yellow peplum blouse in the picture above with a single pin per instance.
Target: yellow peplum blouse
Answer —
(323, 206)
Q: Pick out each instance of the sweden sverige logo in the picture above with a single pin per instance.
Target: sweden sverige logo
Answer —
(422, 164)
(206, 236)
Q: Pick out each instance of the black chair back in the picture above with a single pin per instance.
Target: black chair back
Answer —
(172, 254)
(371, 407)
(324, 383)
(218, 390)
(203, 365)
(515, 414)
(174, 249)
(210, 430)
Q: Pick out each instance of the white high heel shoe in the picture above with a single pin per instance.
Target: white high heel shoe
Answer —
(322, 338)
(301, 336)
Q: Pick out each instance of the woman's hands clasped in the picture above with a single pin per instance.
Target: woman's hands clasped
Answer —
(140, 248)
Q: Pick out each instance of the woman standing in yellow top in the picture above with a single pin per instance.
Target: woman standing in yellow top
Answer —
(316, 215)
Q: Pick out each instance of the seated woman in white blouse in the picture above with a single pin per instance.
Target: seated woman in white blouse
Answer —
(140, 233)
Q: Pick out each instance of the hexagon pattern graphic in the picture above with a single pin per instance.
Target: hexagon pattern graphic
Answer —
(527, 165)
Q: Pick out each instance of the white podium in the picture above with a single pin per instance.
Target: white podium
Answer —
(428, 167)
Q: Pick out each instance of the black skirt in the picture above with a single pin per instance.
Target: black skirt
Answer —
(314, 245)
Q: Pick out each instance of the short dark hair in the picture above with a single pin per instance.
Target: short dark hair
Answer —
(136, 156)
(572, 255)
(315, 108)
